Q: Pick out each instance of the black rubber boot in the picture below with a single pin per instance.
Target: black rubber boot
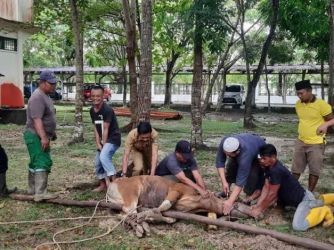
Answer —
(4, 191)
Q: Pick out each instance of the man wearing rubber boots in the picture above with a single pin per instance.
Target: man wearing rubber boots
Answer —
(4, 191)
(40, 130)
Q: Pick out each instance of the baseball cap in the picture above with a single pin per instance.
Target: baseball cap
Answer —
(48, 76)
(184, 147)
(231, 144)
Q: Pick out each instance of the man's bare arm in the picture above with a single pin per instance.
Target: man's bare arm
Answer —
(125, 160)
(184, 179)
(97, 139)
(322, 129)
(198, 179)
(154, 161)
(105, 134)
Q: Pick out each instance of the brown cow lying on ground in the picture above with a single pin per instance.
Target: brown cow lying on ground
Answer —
(158, 192)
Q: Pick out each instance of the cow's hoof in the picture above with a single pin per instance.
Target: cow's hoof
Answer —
(170, 220)
(139, 231)
(146, 228)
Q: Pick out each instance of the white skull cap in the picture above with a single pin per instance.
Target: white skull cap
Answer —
(231, 144)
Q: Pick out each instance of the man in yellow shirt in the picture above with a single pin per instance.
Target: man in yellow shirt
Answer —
(310, 145)
(141, 145)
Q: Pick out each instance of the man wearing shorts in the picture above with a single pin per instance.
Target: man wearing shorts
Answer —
(309, 149)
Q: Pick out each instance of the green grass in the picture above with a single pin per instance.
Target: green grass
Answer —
(74, 165)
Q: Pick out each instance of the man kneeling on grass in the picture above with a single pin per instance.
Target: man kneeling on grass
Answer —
(281, 185)
(181, 166)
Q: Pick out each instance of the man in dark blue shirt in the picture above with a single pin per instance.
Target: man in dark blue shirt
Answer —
(237, 163)
(181, 166)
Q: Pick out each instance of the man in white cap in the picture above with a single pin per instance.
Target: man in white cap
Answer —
(237, 163)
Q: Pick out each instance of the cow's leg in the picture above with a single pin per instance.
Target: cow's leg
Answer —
(128, 198)
(241, 211)
(130, 207)
(172, 196)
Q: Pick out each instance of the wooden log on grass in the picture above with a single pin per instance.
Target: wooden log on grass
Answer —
(67, 202)
(291, 239)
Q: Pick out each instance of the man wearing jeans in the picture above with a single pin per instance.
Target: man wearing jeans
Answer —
(281, 185)
(310, 146)
(107, 138)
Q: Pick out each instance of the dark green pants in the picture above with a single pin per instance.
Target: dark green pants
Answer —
(40, 160)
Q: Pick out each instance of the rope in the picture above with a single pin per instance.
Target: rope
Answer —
(53, 219)
(55, 242)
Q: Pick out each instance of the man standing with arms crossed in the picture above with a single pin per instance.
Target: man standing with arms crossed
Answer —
(310, 145)
(40, 130)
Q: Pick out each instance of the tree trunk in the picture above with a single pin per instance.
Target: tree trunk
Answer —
(221, 92)
(322, 80)
(248, 118)
(284, 84)
(168, 83)
(241, 7)
(78, 41)
(303, 74)
(144, 91)
(221, 64)
(279, 85)
(130, 26)
(331, 57)
(267, 87)
(196, 91)
(125, 84)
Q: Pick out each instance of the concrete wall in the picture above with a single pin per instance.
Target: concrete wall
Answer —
(11, 62)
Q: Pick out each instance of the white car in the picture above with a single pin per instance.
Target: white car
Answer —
(234, 95)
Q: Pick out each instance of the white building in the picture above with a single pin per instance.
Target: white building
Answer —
(15, 27)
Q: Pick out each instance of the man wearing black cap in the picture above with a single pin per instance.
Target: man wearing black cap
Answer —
(40, 129)
(310, 145)
(181, 166)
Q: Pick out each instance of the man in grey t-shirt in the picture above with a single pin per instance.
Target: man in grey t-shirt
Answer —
(40, 129)
(181, 166)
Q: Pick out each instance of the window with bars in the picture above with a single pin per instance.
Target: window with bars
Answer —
(8, 43)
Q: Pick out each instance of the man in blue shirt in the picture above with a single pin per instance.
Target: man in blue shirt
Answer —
(181, 166)
(237, 163)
